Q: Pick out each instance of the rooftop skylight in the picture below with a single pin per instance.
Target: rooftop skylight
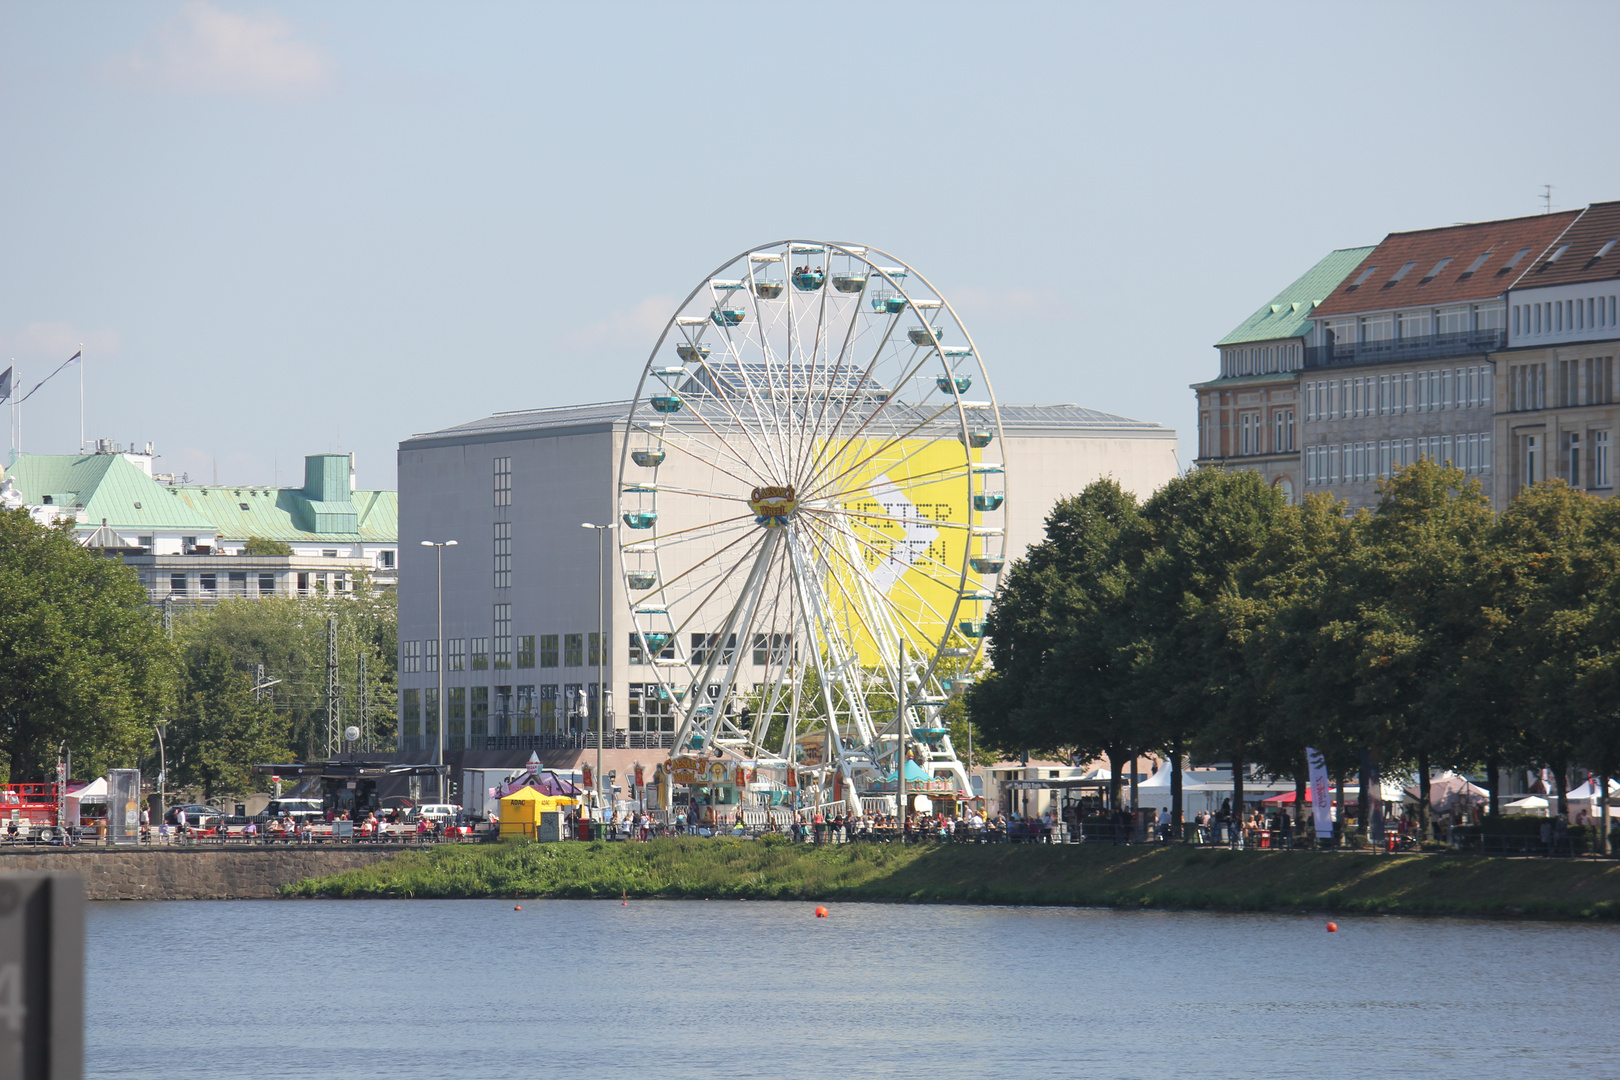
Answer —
(1511, 263)
(1479, 262)
(1606, 248)
(1555, 256)
(1438, 267)
(1402, 272)
(1365, 274)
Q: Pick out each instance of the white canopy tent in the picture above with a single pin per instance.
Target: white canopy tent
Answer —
(93, 792)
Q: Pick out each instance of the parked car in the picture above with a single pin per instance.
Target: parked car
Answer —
(298, 809)
(197, 815)
(438, 811)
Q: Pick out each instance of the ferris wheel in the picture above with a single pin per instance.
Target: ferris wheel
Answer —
(812, 518)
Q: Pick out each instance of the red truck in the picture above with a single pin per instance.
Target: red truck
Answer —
(29, 809)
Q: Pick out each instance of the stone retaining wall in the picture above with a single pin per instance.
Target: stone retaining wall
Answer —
(193, 873)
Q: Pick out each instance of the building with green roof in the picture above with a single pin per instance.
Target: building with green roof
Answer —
(1248, 415)
(189, 541)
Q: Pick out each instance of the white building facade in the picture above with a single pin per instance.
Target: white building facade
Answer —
(521, 590)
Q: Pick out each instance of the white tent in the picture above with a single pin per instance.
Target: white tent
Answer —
(93, 792)
(1530, 804)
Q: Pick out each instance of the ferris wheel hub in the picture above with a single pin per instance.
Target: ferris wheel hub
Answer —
(772, 506)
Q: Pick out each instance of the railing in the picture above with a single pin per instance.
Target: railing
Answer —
(1392, 350)
(617, 739)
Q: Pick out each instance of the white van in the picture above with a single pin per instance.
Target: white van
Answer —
(438, 811)
(298, 809)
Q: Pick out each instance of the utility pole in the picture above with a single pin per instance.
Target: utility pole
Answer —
(365, 702)
(334, 732)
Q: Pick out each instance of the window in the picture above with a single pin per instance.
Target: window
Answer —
(480, 653)
(548, 650)
(410, 656)
(455, 654)
(1600, 459)
(411, 714)
(177, 583)
(706, 648)
(503, 481)
(771, 648)
(593, 649)
(523, 710)
(573, 703)
(430, 655)
(548, 709)
(267, 584)
(1532, 459)
(1572, 458)
(208, 582)
(503, 554)
(479, 710)
(573, 650)
(1451, 320)
(1415, 324)
(330, 553)
(525, 651)
(1243, 444)
(455, 731)
(649, 710)
(430, 712)
(1377, 328)
(503, 636)
(387, 559)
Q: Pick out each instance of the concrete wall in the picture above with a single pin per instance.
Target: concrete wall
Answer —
(134, 874)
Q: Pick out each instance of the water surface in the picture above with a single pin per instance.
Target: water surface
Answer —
(470, 989)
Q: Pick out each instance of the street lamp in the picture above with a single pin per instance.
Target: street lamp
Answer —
(163, 772)
(438, 664)
(601, 645)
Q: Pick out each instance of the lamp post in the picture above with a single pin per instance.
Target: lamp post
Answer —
(438, 664)
(601, 645)
(163, 773)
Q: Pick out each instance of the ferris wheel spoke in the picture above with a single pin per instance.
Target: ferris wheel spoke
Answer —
(831, 462)
(746, 379)
(953, 584)
(665, 438)
(664, 587)
(814, 430)
(856, 395)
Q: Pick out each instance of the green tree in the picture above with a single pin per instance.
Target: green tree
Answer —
(287, 636)
(1059, 683)
(221, 728)
(81, 658)
(1194, 603)
(258, 545)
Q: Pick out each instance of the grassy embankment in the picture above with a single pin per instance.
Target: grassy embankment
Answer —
(1171, 877)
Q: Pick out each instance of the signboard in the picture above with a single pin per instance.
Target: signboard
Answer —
(41, 976)
(124, 806)
(696, 770)
(1321, 794)
(893, 506)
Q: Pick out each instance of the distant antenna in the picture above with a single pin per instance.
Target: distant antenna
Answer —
(1546, 197)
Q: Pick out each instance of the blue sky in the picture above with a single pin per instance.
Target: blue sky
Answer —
(284, 228)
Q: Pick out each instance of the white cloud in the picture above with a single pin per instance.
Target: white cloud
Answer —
(56, 341)
(205, 50)
(635, 329)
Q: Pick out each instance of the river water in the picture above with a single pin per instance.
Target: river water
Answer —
(473, 990)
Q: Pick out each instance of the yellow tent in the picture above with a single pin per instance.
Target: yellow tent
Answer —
(521, 810)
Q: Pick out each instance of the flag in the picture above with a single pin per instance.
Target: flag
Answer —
(5, 384)
(1321, 794)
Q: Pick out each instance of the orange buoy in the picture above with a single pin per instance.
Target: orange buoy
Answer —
(1333, 928)
(517, 907)
(821, 913)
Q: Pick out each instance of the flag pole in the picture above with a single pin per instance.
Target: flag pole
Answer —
(81, 397)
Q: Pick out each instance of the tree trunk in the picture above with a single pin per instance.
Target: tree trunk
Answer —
(1338, 813)
(1175, 788)
(1603, 818)
(1135, 795)
(1299, 801)
(1425, 825)
(1364, 800)
(1116, 758)
(1561, 778)
(1237, 793)
(1493, 783)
